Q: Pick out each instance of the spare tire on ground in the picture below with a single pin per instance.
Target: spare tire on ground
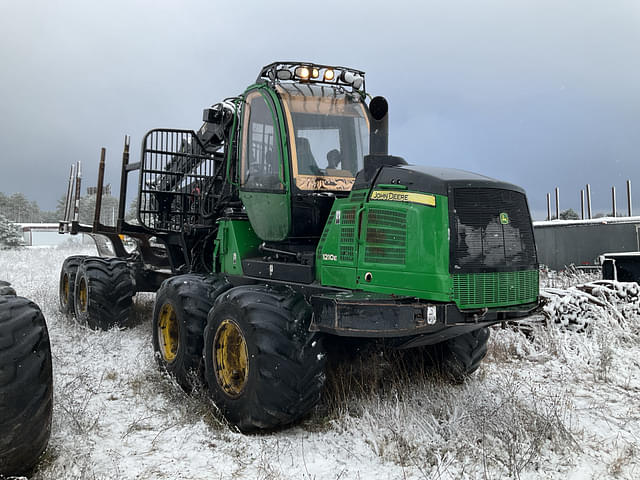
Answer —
(26, 384)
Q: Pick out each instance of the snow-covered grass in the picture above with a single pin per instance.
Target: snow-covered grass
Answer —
(548, 402)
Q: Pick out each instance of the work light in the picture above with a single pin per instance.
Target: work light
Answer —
(302, 73)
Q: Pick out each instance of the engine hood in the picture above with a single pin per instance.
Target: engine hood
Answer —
(437, 180)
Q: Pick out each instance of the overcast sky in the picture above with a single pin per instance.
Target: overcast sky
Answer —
(538, 93)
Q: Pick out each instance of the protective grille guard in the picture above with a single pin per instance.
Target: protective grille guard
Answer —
(491, 231)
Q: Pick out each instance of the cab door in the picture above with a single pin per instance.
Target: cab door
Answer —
(263, 187)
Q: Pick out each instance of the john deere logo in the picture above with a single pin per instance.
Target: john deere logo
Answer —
(504, 218)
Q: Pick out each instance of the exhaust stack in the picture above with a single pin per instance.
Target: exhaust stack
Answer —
(379, 139)
(379, 133)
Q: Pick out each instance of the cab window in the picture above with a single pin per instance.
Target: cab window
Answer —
(330, 130)
(261, 147)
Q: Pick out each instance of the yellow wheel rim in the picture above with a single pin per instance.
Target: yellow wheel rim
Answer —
(65, 289)
(82, 295)
(231, 360)
(168, 333)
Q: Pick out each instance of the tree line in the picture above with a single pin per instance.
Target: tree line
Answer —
(17, 208)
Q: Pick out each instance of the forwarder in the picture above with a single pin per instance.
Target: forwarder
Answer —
(283, 223)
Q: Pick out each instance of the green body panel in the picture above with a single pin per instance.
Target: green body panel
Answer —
(387, 247)
(270, 212)
(402, 248)
(236, 240)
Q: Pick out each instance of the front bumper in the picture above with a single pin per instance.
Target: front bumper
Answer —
(377, 316)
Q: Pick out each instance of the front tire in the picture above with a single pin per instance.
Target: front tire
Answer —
(179, 317)
(103, 293)
(263, 367)
(26, 385)
(459, 357)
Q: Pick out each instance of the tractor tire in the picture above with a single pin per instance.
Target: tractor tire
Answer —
(6, 288)
(459, 357)
(179, 317)
(103, 293)
(67, 283)
(26, 385)
(263, 367)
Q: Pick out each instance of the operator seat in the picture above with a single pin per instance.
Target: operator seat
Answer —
(306, 163)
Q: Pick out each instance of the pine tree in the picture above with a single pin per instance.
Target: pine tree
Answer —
(10, 236)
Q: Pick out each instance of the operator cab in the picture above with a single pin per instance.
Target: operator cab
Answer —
(304, 139)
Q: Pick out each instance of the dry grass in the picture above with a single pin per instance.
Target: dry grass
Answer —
(412, 417)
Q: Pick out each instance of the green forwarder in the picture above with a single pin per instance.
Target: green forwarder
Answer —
(282, 223)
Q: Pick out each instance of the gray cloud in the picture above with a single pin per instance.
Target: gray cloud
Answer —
(541, 94)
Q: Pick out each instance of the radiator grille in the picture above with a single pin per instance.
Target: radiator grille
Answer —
(475, 290)
(386, 236)
(385, 255)
(347, 234)
(491, 229)
(348, 216)
(388, 218)
(346, 253)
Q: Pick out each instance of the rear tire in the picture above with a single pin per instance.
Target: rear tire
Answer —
(179, 317)
(103, 293)
(459, 357)
(26, 385)
(67, 283)
(263, 367)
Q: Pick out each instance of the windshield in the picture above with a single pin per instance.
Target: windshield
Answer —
(331, 136)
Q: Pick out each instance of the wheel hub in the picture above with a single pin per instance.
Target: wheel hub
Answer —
(65, 289)
(82, 295)
(231, 359)
(168, 333)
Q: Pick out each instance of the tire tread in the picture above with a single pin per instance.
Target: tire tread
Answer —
(26, 393)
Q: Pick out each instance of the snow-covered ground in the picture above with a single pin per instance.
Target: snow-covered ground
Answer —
(555, 401)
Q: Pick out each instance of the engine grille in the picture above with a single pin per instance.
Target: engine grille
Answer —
(476, 290)
(491, 231)
(386, 236)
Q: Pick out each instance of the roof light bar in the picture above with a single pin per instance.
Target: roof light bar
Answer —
(304, 72)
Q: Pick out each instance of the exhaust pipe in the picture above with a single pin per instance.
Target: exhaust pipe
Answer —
(379, 139)
(379, 133)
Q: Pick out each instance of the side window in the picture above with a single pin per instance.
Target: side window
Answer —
(261, 148)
